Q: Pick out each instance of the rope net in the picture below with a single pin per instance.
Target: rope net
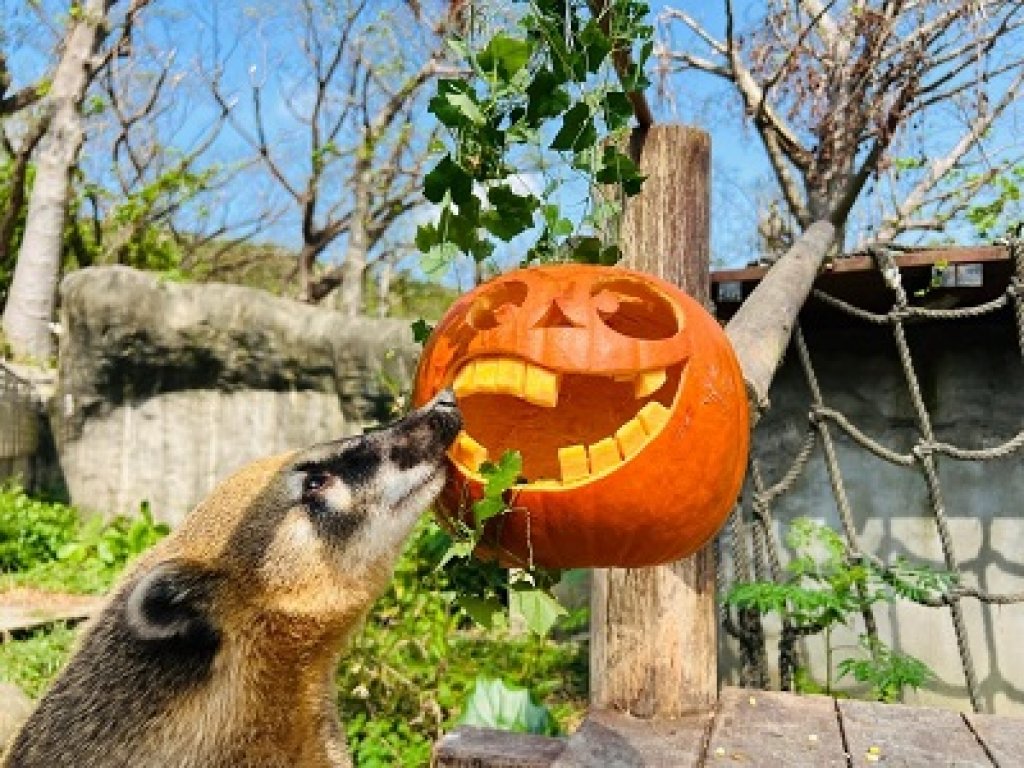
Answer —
(751, 539)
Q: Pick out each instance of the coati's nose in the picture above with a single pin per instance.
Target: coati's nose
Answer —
(443, 415)
(446, 399)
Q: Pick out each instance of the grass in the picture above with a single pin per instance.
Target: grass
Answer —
(33, 661)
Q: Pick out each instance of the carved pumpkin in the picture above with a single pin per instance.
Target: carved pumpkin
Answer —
(623, 396)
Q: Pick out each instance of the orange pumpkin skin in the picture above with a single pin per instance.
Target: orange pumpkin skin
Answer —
(601, 332)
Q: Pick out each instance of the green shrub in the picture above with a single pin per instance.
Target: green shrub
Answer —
(49, 545)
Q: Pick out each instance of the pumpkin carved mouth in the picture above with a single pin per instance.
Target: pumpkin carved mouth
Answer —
(569, 427)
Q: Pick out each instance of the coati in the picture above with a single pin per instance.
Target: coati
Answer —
(219, 648)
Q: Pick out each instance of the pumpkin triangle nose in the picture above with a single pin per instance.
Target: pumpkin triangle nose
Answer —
(556, 317)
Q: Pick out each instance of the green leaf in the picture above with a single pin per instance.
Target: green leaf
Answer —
(596, 46)
(427, 237)
(504, 57)
(466, 104)
(421, 330)
(512, 214)
(486, 508)
(617, 168)
(494, 705)
(586, 250)
(482, 610)
(618, 110)
(537, 607)
(448, 177)
(439, 258)
(455, 104)
(503, 475)
(547, 97)
(577, 131)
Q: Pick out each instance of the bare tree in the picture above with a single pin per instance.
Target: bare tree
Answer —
(30, 304)
(834, 89)
(349, 160)
(153, 196)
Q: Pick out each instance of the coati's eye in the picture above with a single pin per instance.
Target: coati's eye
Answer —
(315, 481)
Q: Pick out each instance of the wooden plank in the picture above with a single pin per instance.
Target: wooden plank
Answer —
(895, 735)
(470, 747)
(1002, 736)
(924, 258)
(619, 740)
(776, 729)
(23, 609)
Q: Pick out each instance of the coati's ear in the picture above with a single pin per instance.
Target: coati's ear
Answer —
(172, 603)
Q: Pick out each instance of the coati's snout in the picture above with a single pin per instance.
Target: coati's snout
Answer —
(358, 499)
(317, 532)
(387, 472)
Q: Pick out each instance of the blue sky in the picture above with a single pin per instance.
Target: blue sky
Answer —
(742, 181)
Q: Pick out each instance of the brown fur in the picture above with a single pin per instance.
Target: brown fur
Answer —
(219, 648)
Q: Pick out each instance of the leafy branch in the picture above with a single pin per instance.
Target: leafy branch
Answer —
(826, 587)
(548, 86)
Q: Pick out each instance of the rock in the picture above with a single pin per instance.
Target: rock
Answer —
(164, 388)
(15, 707)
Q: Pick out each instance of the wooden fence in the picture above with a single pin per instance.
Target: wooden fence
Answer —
(19, 425)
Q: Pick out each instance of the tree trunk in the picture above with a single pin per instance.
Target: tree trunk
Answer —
(384, 289)
(653, 646)
(31, 301)
(351, 300)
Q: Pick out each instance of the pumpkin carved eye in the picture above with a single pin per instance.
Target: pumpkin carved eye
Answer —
(494, 306)
(634, 310)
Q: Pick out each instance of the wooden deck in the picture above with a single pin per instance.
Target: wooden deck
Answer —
(756, 728)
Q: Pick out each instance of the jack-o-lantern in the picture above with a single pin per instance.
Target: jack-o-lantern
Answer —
(624, 398)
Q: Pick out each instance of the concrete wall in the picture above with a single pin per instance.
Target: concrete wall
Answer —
(165, 388)
(972, 378)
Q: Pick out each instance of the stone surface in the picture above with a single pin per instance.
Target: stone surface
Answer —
(165, 388)
(15, 707)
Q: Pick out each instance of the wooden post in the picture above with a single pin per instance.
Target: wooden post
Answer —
(653, 640)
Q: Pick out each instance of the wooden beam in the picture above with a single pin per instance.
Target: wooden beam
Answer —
(470, 747)
(895, 735)
(653, 641)
(761, 328)
(778, 729)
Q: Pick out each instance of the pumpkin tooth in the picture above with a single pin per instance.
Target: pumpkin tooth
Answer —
(631, 437)
(653, 416)
(463, 384)
(541, 387)
(486, 378)
(468, 452)
(572, 459)
(649, 382)
(604, 454)
(511, 377)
